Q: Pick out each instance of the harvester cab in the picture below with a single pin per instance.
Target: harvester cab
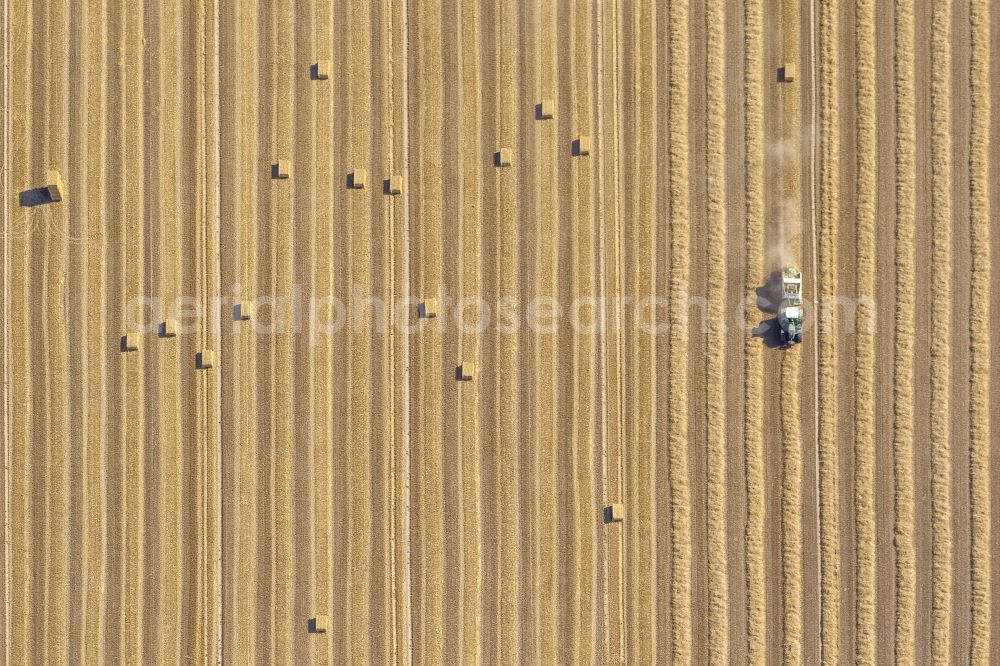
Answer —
(790, 313)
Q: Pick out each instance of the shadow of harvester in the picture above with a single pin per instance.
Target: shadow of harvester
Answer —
(36, 196)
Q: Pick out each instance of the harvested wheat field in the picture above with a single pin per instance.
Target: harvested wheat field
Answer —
(449, 331)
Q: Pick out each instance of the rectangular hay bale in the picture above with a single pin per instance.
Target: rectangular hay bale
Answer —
(395, 184)
(244, 310)
(467, 371)
(615, 513)
(54, 185)
(169, 328)
(130, 342)
(503, 157)
(319, 624)
(788, 72)
(205, 359)
(323, 68)
(428, 309)
(359, 179)
(583, 145)
(284, 169)
(547, 109)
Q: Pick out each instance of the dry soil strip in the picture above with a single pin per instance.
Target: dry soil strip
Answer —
(753, 355)
(864, 375)
(827, 331)
(979, 376)
(941, 274)
(904, 323)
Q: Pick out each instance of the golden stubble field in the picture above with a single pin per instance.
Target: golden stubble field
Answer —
(831, 502)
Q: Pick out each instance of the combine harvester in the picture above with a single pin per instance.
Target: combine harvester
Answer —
(790, 313)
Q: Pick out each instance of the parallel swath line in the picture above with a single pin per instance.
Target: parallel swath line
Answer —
(753, 355)
(173, 361)
(639, 268)
(304, 195)
(503, 372)
(78, 304)
(559, 203)
(366, 605)
(97, 347)
(979, 318)
(22, 224)
(382, 399)
(539, 244)
(829, 215)
(905, 143)
(791, 370)
(941, 270)
(240, 164)
(326, 178)
(133, 268)
(716, 359)
(283, 195)
(154, 187)
(680, 509)
(606, 145)
(56, 357)
(474, 161)
(190, 197)
(588, 364)
(343, 619)
(434, 592)
(264, 287)
(864, 375)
